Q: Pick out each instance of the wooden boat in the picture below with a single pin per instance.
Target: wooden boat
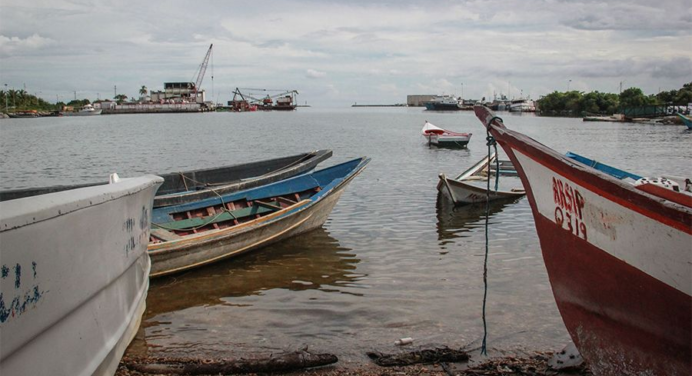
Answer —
(618, 257)
(74, 280)
(470, 186)
(442, 137)
(191, 235)
(188, 186)
(685, 120)
(23, 114)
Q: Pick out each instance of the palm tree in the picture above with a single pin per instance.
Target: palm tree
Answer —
(120, 98)
(143, 91)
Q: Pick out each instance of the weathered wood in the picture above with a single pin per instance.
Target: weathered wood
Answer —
(226, 216)
(421, 356)
(164, 235)
(267, 205)
(293, 361)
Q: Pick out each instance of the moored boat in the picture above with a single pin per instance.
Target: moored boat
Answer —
(443, 103)
(444, 138)
(470, 186)
(617, 254)
(685, 120)
(74, 277)
(86, 110)
(23, 114)
(522, 105)
(187, 186)
(199, 233)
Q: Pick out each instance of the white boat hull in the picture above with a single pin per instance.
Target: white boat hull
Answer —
(74, 277)
(462, 193)
(82, 113)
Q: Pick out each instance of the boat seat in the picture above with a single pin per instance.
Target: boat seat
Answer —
(268, 205)
(225, 216)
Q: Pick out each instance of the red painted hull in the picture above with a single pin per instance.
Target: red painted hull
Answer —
(625, 320)
(620, 318)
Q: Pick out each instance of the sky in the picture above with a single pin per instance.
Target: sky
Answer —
(337, 53)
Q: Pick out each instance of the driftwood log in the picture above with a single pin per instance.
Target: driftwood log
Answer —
(421, 356)
(292, 361)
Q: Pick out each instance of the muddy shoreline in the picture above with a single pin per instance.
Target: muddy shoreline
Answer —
(531, 365)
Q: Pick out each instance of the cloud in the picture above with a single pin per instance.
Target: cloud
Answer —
(11, 46)
(363, 45)
(311, 73)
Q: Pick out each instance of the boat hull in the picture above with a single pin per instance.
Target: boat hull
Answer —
(185, 187)
(618, 261)
(442, 107)
(212, 246)
(82, 113)
(449, 141)
(75, 278)
(188, 186)
(462, 193)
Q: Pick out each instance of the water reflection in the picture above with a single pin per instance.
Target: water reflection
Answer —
(312, 261)
(455, 222)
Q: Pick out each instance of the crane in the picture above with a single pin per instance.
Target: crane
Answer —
(200, 72)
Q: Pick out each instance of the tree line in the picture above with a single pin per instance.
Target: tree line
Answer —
(20, 100)
(576, 103)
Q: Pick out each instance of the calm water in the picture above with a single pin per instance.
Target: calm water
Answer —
(390, 262)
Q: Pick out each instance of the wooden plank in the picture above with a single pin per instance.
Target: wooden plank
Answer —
(286, 201)
(267, 205)
(164, 235)
(226, 216)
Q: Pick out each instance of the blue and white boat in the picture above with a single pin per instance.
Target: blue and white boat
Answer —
(199, 233)
(444, 103)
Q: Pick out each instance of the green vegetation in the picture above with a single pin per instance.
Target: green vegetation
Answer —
(120, 98)
(20, 100)
(575, 103)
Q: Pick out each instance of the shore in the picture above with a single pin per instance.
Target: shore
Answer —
(536, 364)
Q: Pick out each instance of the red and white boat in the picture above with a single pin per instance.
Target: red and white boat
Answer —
(442, 137)
(618, 255)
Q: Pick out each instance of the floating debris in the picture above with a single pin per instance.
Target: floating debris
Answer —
(423, 356)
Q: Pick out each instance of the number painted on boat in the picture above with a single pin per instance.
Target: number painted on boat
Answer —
(569, 205)
(136, 236)
(15, 303)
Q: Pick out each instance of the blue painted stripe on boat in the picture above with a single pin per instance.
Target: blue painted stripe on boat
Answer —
(612, 171)
(327, 189)
(296, 184)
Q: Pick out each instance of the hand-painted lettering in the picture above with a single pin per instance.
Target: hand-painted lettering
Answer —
(21, 299)
(568, 208)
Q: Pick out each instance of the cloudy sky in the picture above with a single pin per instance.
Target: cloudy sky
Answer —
(336, 53)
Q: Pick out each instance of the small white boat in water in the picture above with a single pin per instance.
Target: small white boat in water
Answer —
(74, 277)
(470, 186)
(87, 110)
(444, 138)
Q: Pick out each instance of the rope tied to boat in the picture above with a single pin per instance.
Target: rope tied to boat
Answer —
(490, 142)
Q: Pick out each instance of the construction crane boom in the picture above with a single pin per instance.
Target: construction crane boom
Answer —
(202, 70)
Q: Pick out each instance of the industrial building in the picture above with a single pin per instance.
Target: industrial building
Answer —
(178, 92)
(418, 100)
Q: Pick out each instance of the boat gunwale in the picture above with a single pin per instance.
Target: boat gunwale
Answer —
(213, 235)
(659, 209)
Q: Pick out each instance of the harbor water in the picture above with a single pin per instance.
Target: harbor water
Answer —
(391, 261)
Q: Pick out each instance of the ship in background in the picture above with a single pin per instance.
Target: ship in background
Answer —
(285, 100)
(444, 103)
